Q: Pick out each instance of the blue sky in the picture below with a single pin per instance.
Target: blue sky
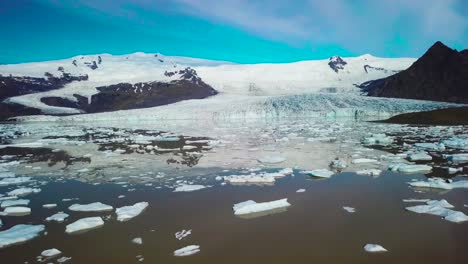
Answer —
(244, 31)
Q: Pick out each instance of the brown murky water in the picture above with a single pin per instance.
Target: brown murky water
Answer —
(315, 229)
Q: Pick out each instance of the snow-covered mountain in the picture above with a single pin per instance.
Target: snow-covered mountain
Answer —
(98, 83)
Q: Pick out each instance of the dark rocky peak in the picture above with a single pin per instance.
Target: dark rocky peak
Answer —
(336, 63)
(99, 59)
(92, 65)
(188, 74)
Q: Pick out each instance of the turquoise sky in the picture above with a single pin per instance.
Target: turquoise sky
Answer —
(238, 30)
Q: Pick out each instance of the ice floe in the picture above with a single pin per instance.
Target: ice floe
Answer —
(51, 253)
(19, 234)
(16, 211)
(321, 173)
(439, 183)
(252, 207)
(373, 248)
(272, 159)
(419, 157)
(430, 146)
(187, 251)
(84, 224)
(182, 234)
(457, 158)
(19, 202)
(58, 217)
(378, 139)
(128, 212)
(14, 181)
(23, 191)
(369, 172)
(364, 160)
(189, 188)
(49, 206)
(137, 241)
(439, 208)
(409, 168)
(92, 207)
(301, 190)
(349, 209)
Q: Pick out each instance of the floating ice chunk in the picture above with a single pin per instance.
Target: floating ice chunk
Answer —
(439, 208)
(14, 181)
(457, 157)
(19, 234)
(58, 217)
(84, 224)
(369, 172)
(364, 160)
(51, 253)
(251, 207)
(439, 183)
(138, 241)
(301, 190)
(128, 212)
(373, 248)
(16, 211)
(322, 173)
(338, 164)
(49, 206)
(419, 156)
(23, 191)
(6, 174)
(457, 143)
(272, 159)
(63, 259)
(92, 207)
(189, 188)
(349, 209)
(187, 251)
(378, 139)
(415, 200)
(407, 168)
(19, 202)
(430, 146)
(182, 234)
(252, 178)
(454, 170)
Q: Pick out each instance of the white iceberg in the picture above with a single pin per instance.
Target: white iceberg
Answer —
(23, 191)
(430, 146)
(128, 212)
(187, 251)
(137, 241)
(19, 202)
(49, 206)
(84, 224)
(14, 181)
(189, 188)
(252, 207)
(373, 248)
(51, 253)
(439, 183)
(16, 211)
(272, 159)
(408, 168)
(419, 157)
(439, 208)
(369, 172)
(364, 160)
(349, 209)
(58, 217)
(322, 173)
(378, 139)
(457, 157)
(301, 190)
(182, 234)
(19, 234)
(92, 207)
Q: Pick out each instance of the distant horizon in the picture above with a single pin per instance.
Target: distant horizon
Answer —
(242, 31)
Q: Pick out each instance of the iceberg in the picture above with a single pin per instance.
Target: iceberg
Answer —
(16, 211)
(128, 212)
(58, 217)
(189, 188)
(430, 146)
(182, 234)
(252, 207)
(349, 209)
(363, 160)
(322, 173)
(373, 248)
(137, 241)
(19, 234)
(20, 202)
(378, 139)
(272, 159)
(369, 172)
(439, 208)
(419, 157)
(187, 251)
(92, 207)
(14, 181)
(84, 224)
(408, 168)
(439, 183)
(51, 253)
(457, 157)
(23, 191)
